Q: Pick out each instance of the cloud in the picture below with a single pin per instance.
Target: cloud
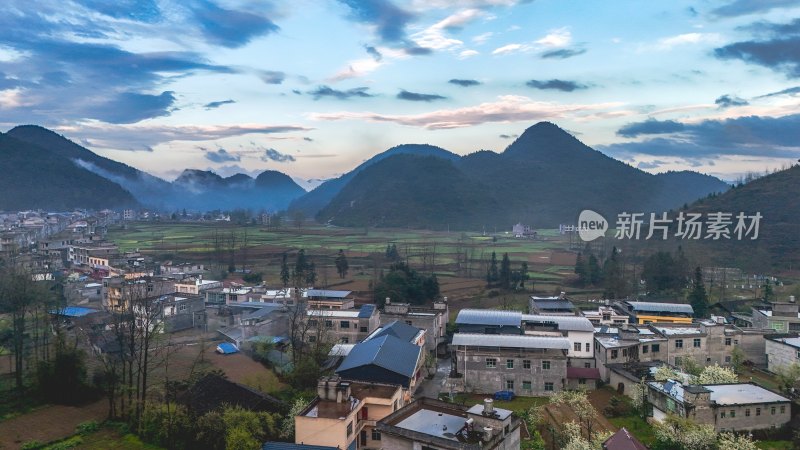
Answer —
(779, 52)
(270, 154)
(132, 107)
(271, 76)
(555, 84)
(555, 39)
(560, 37)
(650, 126)
(376, 55)
(788, 91)
(727, 101)
(308, 139)
(668, 43)
(435, 37)
(744, 7)
(137, 10)
(775, 137)
(230, 28)
(220, 156)
(464, 82)
(507, 109)
(468, 54)
(483, 37)
(654, 164)
(508, 136)
(414, 50)
(417, 97)
(327, 91)
(388, 19)
(563, 53)
(217, 104)
(509, 48)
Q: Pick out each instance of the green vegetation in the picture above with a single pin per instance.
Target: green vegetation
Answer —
(775, 445)
(639, 427)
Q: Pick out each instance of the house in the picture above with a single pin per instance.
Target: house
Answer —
(522, 231)
(432, 424)
(651, 312)
(386, 359)
(213, 392)
(578, 330)
(527, 365)
(196, 285)
(727, 407)
(606, 315)
(329, 299)
(275, 445)
(431, 319)
(344, 414)
(623, 440)
(343, 326)
(118, 291)
(401, 331)
(583, 378)
(171, 313)
(783, 317)
(551, 306)
(489, 321)
(782, 352)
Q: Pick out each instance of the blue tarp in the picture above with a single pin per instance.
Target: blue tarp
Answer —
(74, 311)
(226, 348)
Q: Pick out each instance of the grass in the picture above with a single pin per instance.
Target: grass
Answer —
(637, 426)
(108, 438)
(774, 445)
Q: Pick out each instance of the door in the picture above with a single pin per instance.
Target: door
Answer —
(363, 438)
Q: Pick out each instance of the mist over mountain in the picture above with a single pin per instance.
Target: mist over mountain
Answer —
(544, 178)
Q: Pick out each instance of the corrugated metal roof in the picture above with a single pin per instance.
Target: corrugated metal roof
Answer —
(661, 307)
(366, 311)
(387, 352)
(510, 340)
(489, 317)
(792, 342)
(552, 304)
(566, 323)
(325, 293)
(397, 329)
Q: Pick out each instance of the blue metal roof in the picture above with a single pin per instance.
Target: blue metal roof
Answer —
(226, 348)
(397, 329)
(489, 317)
(366, 311)
(388, 352)
(74, 311)
(291, 446)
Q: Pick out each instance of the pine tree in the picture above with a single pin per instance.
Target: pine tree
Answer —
(768, 293)
(523, 274)
(581, 270)
(285, 275)
(595, 275)
(698, 297)
(341, 264)
(505, 272)
(493, 273)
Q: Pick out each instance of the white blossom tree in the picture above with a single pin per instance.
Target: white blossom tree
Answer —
(716, 374)
(731, 441)
(684, 434)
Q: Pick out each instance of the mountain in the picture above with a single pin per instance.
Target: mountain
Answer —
(193, 189)
(544, 178)
(411, 190)
(34, 177)
(777, 197)
(312, 202)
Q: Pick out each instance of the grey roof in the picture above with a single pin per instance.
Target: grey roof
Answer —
(742, 394)
(792, 342)
(397, 329)
(325, 293)
(547, 304)
(661, 307)
(510, 340)
(502, 414)
(388, 352)
(262, 312)
(489, 317)
(366, 311)
(567, 323)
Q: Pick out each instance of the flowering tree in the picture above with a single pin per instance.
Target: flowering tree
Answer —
(579, 403)
(731, 441)
(576, 441)
(716, 374)
(676, 432)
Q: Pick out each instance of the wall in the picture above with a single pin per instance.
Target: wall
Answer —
(471, 362)
(780, 355)
(754, 422)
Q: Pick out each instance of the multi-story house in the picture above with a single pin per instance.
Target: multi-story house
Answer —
(196, 285)
(642, 313)
(606, 315)
(783, 317)
(552, 306)
(432, 319)
(782, 351)
(343, 326)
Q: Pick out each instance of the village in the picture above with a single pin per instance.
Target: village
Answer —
(401, 375)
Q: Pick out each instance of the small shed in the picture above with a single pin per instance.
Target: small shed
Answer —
(226, 348)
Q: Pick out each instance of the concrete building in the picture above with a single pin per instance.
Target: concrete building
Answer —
(329, 299)
(489, 321)
(344, 414)
(578, 330)
(606, 315)
(782, 317)
(344, 326)
(432, 424)
(386, 359)
(623, 440)
(782, 352)
(432, 319)
(196, 285)
(118, 290)
(651, 312)
(727, 407)
(171, 313)
(526, 365)
(552, 306)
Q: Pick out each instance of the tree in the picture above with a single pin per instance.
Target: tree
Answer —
(403, 284)
(581, 406)
(300, 268)
(341, 264)
(788, 377)
(716, 374)
(493, 274)
(768, 293)
(698, 297)
(595, 274)
(664, 373)
(582, 270)
(287, 426)
(523, 274)
(18, 297)
(678, 433)
(311, 274)
(613, 277)
(285, 274)
(505, 272)
(731, 441)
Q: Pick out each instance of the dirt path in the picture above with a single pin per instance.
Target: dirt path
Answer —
(49, 423)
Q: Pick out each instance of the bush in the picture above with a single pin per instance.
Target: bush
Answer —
(618, 406)
(31, 445)
(254, 278)
(87, 427)
(72, 442)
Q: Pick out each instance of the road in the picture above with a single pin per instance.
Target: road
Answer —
(431, 388)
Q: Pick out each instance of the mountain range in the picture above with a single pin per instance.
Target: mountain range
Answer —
(545, 177)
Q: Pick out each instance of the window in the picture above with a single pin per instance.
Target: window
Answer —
(645, 348)
(576, 346)
(587, 365)
(624, 352)
(363, 330)
(328, 324)
(526, 385)
(783, 409)
(545, 365)
(758, 411)
(722, 415)
(728, 359)
(376, 435)
(526, 363)
(408, 322)
(614, 354)
(350, 428)
(772, 410)
(491, 363)
(312, 339)
(606, 317)
(733, 413)
(747, 412)
(696, 342)
(312, 323)
(548, 387)
(509, 364)
(509, 385)
(345, 340)
(678, 361)
(344, 324)
(581, 380)
(655, 348)
(394, 406)
(588, 347)
(182, 307)
(678, 343)
(728, 341)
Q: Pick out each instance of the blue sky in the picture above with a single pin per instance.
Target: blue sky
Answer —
(314, 87)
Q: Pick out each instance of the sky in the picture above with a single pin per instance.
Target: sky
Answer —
(314, 87)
